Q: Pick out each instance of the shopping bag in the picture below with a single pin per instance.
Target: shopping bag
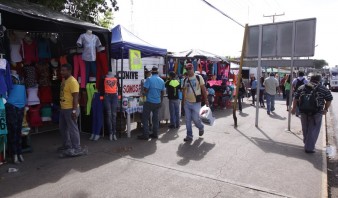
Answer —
(206, 115)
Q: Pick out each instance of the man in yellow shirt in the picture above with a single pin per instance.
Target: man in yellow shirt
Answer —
(69, 97)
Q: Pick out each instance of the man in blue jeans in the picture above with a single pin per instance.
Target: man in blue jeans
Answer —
(193, 93)
(271, 85)
(173, 87)
(154, 91)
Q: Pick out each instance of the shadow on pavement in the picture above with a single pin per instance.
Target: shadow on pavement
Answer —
(274, 115)
(43, 166)
(195, 150)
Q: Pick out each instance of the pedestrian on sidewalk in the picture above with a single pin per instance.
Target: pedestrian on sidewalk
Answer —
(287, 87)
(173, 86)
(241, 94)
(69, 97)
(311, 122)
(282, 85)
(193, 93)
(261, 92)
(271, 85)
(253, 86)
(154, 91)
(296, 83)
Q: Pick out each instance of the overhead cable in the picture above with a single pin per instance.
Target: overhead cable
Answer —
(209, 4)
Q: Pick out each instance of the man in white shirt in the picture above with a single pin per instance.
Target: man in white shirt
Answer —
(271, 84)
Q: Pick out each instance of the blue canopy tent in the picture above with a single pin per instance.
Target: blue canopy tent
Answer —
(123, 40)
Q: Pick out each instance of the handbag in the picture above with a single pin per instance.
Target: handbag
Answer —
(199, 97)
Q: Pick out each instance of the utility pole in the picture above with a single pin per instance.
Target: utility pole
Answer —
(273, 16)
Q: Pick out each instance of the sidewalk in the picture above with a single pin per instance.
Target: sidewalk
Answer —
(226, 162)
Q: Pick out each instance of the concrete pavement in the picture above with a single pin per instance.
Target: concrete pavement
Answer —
(245, 161)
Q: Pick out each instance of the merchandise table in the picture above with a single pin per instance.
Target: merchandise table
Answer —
(164, 113)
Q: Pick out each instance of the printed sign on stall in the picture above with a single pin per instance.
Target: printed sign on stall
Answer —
(135, 60)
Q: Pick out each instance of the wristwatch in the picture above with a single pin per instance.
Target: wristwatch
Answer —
(74, 111)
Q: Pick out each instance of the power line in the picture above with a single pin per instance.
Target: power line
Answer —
(209, 4)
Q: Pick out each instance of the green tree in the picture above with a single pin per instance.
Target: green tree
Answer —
(320, 63)
(87, 10)
(107, 20)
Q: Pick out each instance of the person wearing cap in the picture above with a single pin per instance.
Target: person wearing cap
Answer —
(173, 87)
(271, 85)
(154, 91)
(311, 123)
(193, 93)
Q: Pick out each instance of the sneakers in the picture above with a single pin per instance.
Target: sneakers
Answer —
(112, 137)
(142, 137)
(92, 137)
(187, 139)
(74, 152)
(21, 158)
(268, 112)
(201, 132)
(308, 151)
(62, 148)
(15, 159)
(96, 137)
(153, 136)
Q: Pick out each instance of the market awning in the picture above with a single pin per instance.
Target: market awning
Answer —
(121, 37)
(25, 16)
(197, 53)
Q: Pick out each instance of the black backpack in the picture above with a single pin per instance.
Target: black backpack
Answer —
(299, 83)
(308, 100)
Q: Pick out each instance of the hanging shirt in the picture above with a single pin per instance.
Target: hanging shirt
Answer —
(3, 125)
(43, 72)
(44, 48)
(30, 52)
(33, 116)
(30, 75)
(5, 77)
(17, 95)
(33, 98)
(15, 48)
(68, 87)
(110, 85)
(89, 43)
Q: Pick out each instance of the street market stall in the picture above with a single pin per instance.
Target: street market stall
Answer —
(124, 46)
(34, 42)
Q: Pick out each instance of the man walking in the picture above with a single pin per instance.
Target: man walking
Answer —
(154, 91)
(311, 122)
(69, 113)
(271, 84)
(173, 87)
(193, 93)
(296, 83)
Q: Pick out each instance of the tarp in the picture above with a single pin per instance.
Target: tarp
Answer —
(197, 53)
(121, 37)
(22, 15)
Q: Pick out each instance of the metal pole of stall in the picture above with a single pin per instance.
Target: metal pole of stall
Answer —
(240, 74)
(259, 72)
(121, 88)
(291, 73)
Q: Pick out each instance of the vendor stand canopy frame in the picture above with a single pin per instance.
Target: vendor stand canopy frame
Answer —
(197, 53)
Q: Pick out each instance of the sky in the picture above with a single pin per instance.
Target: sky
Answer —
(180, 25)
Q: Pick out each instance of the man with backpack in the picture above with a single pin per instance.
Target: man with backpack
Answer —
(296, 83)
(313, 101)
(194, 93)
(299, 81)
(173, 86)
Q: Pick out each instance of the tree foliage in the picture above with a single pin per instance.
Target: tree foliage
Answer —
(320, 63)
(87, 10)
(107, 20)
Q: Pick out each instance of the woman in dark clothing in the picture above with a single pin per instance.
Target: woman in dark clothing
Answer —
(241, 94)
(261, 92)
(253, 86)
